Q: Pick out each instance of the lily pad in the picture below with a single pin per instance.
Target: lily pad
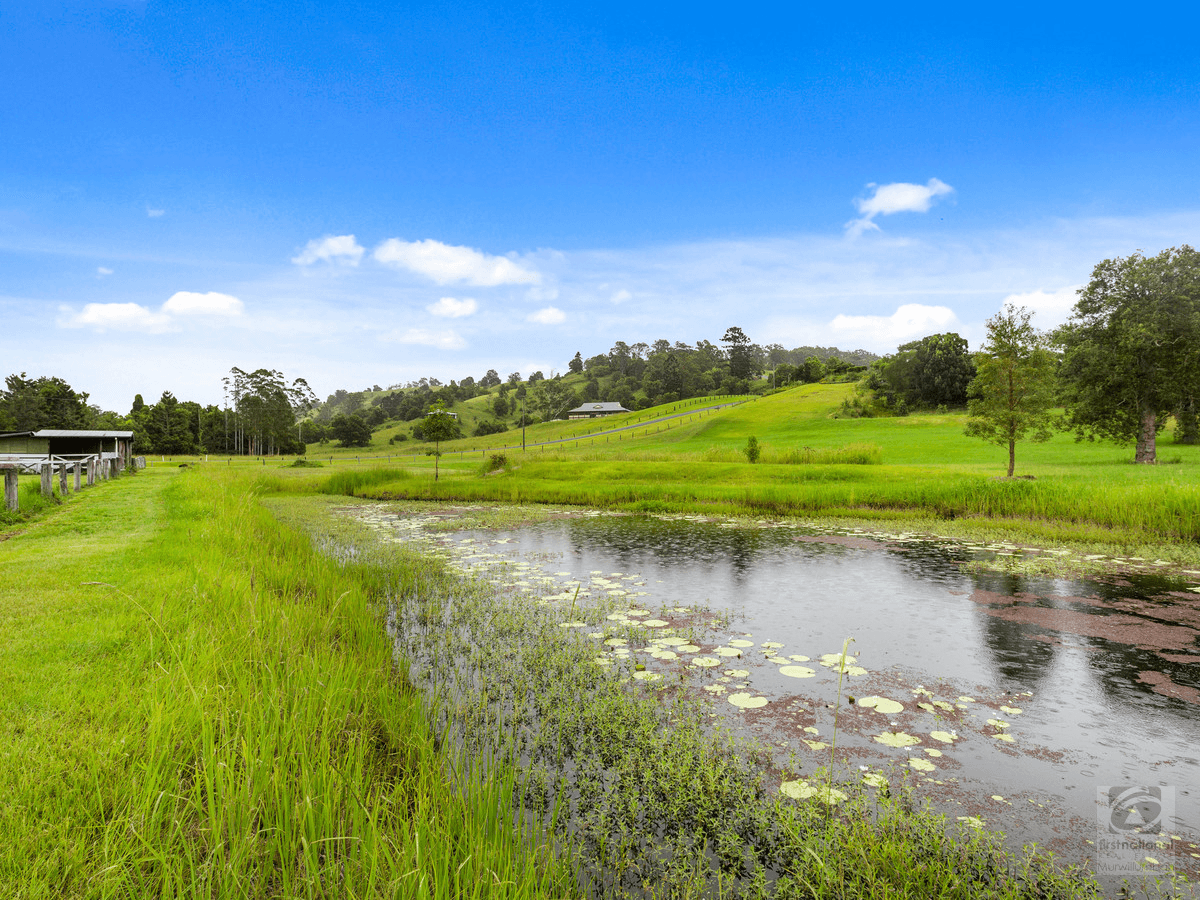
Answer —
(747, 701)
(932, 751)
(728, 651)
(946, 737)
(875, 779)
(922, 765)
(882, 705)
(705, 662)
(797, 671)
(816, 745)
(688, 648)
(802, 790)
(997, 723)
(741, 643)
(897, 739)
(655, 623)
(1011, 710)
(737, 673)
(664, 654)
(1007, 738)
(647, 676)
(771, 645)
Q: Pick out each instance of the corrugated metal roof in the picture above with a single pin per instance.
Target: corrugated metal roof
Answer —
(607, 406)
(61, 433)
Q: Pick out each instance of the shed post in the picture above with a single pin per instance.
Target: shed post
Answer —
(11, 498)
(62, 479)
(47, 481)
(77, 470)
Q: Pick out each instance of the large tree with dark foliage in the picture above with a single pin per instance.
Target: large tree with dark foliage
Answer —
(1131, 348)
(737, 349)
(30, 404)
(933, 371)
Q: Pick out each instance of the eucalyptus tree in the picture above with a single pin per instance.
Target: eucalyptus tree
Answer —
(1013, 389)
(265, 407)
(1130, 348)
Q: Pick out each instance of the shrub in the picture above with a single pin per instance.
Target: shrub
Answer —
(752, 450)
(495, 463)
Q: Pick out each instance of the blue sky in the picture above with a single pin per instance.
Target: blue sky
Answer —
(366, 193)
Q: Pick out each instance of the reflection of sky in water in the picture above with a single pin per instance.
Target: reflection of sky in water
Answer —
(910, 612)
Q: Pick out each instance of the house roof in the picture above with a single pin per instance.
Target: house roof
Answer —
(66, 433)
(600, 407)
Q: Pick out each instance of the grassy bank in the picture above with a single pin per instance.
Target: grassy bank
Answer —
(195, 703)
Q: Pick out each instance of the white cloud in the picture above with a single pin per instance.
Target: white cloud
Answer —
(1052, 308)
(102, 270)
(548, 316)
(332, 249)
(115, 317)
(442, 340)
(621, 296)
(893, 198)
(910, 321)
(451, 308)
(155, 213)
(444, 264)
(188, 303)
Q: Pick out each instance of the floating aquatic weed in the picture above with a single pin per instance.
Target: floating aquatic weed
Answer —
(737, 673)
(714, 688)
(616, 642)
(773, 645)
(882, 705)
(972, 821)
(573, 624)
(654, 623)
(802, 790)
(811, 730)
(922, 765)
(1000, 799)
(1011, 710)
(705, 662)
(928, 707)
(1007, 738)
(897, 739)
(920, 691)
(747, 701)
(728, 651)
(647, 676)
(670, 641)
(797, 671)
(796, 657)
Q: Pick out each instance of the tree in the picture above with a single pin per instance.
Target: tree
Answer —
(31, 404)
(737, 346)
(491, 379)
(1013, 388)
(930, 372)
(1130, 347)
(439, 426)
(350, 431)
(576, 363)
(265, 408)
(813, 369)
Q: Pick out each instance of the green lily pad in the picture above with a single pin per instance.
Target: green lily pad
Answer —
(897, 739)
(797, 671)
(747, 701)
(882, 705)
(802, 790)
(705, 662)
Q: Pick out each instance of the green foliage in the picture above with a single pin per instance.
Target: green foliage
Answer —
(1132, 347)
(31, 404)
(752, 449)
(352, 484)
(926, 373)
(350, 431)
(494, 463)
(737, 347)
(439, 426)
(1013, 389)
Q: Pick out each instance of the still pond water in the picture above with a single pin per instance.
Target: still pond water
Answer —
(1029, 697)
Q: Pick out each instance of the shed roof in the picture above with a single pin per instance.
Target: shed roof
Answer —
(66, 433)
(600, 407)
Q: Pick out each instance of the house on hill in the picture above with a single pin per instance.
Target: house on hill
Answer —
(595, 410)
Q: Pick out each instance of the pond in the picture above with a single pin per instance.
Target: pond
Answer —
(1065, 712)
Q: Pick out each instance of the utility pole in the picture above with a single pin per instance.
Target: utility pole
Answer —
(522, 424)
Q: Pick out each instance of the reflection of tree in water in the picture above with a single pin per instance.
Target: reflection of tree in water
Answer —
(1018, 658)
(687, 544)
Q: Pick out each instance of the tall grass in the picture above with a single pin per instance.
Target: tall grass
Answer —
(237, 725)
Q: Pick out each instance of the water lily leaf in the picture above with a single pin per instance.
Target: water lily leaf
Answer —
(705, 662)
(997, 723)
(1007, 738)
(897, 739)
(928, 707)
(728, 651)
(816, 745)
(617, 617)
(946, 737)
(972, 821)
(647, 676)
(966, 699)
(797, 671)
(688, 648)
(811, 730)
(664, 654)
(796, 657)
(932, 751)
(670, 641)
(942, 704)
(854, 671)
(1011, 710)
(616, 642)
(771, 645)
(882, 705)
(714, 688)
(836, 659)
(875, 779)
(922, 765)
(741, 643)
(737, 673)
(572, 624)
(747, 701)
(802, 790)
(602, 661)
(655, 623)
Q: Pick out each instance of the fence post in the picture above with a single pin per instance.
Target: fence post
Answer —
(76, 469)
(12, 499)
(62, 480)
(47, 482)
(91, 470)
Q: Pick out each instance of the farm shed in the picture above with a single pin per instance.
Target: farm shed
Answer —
(30, 449)
(595, 410)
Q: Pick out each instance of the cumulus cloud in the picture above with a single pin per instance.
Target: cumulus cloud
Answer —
(910, 321)
(442, 340)
(548, 316)
(621, 296)
(189, 303)
(342, 249)
(155, 213)
(893, 198)
(452, 308)
(445, 264)
(1052, 307)
(115, 317)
